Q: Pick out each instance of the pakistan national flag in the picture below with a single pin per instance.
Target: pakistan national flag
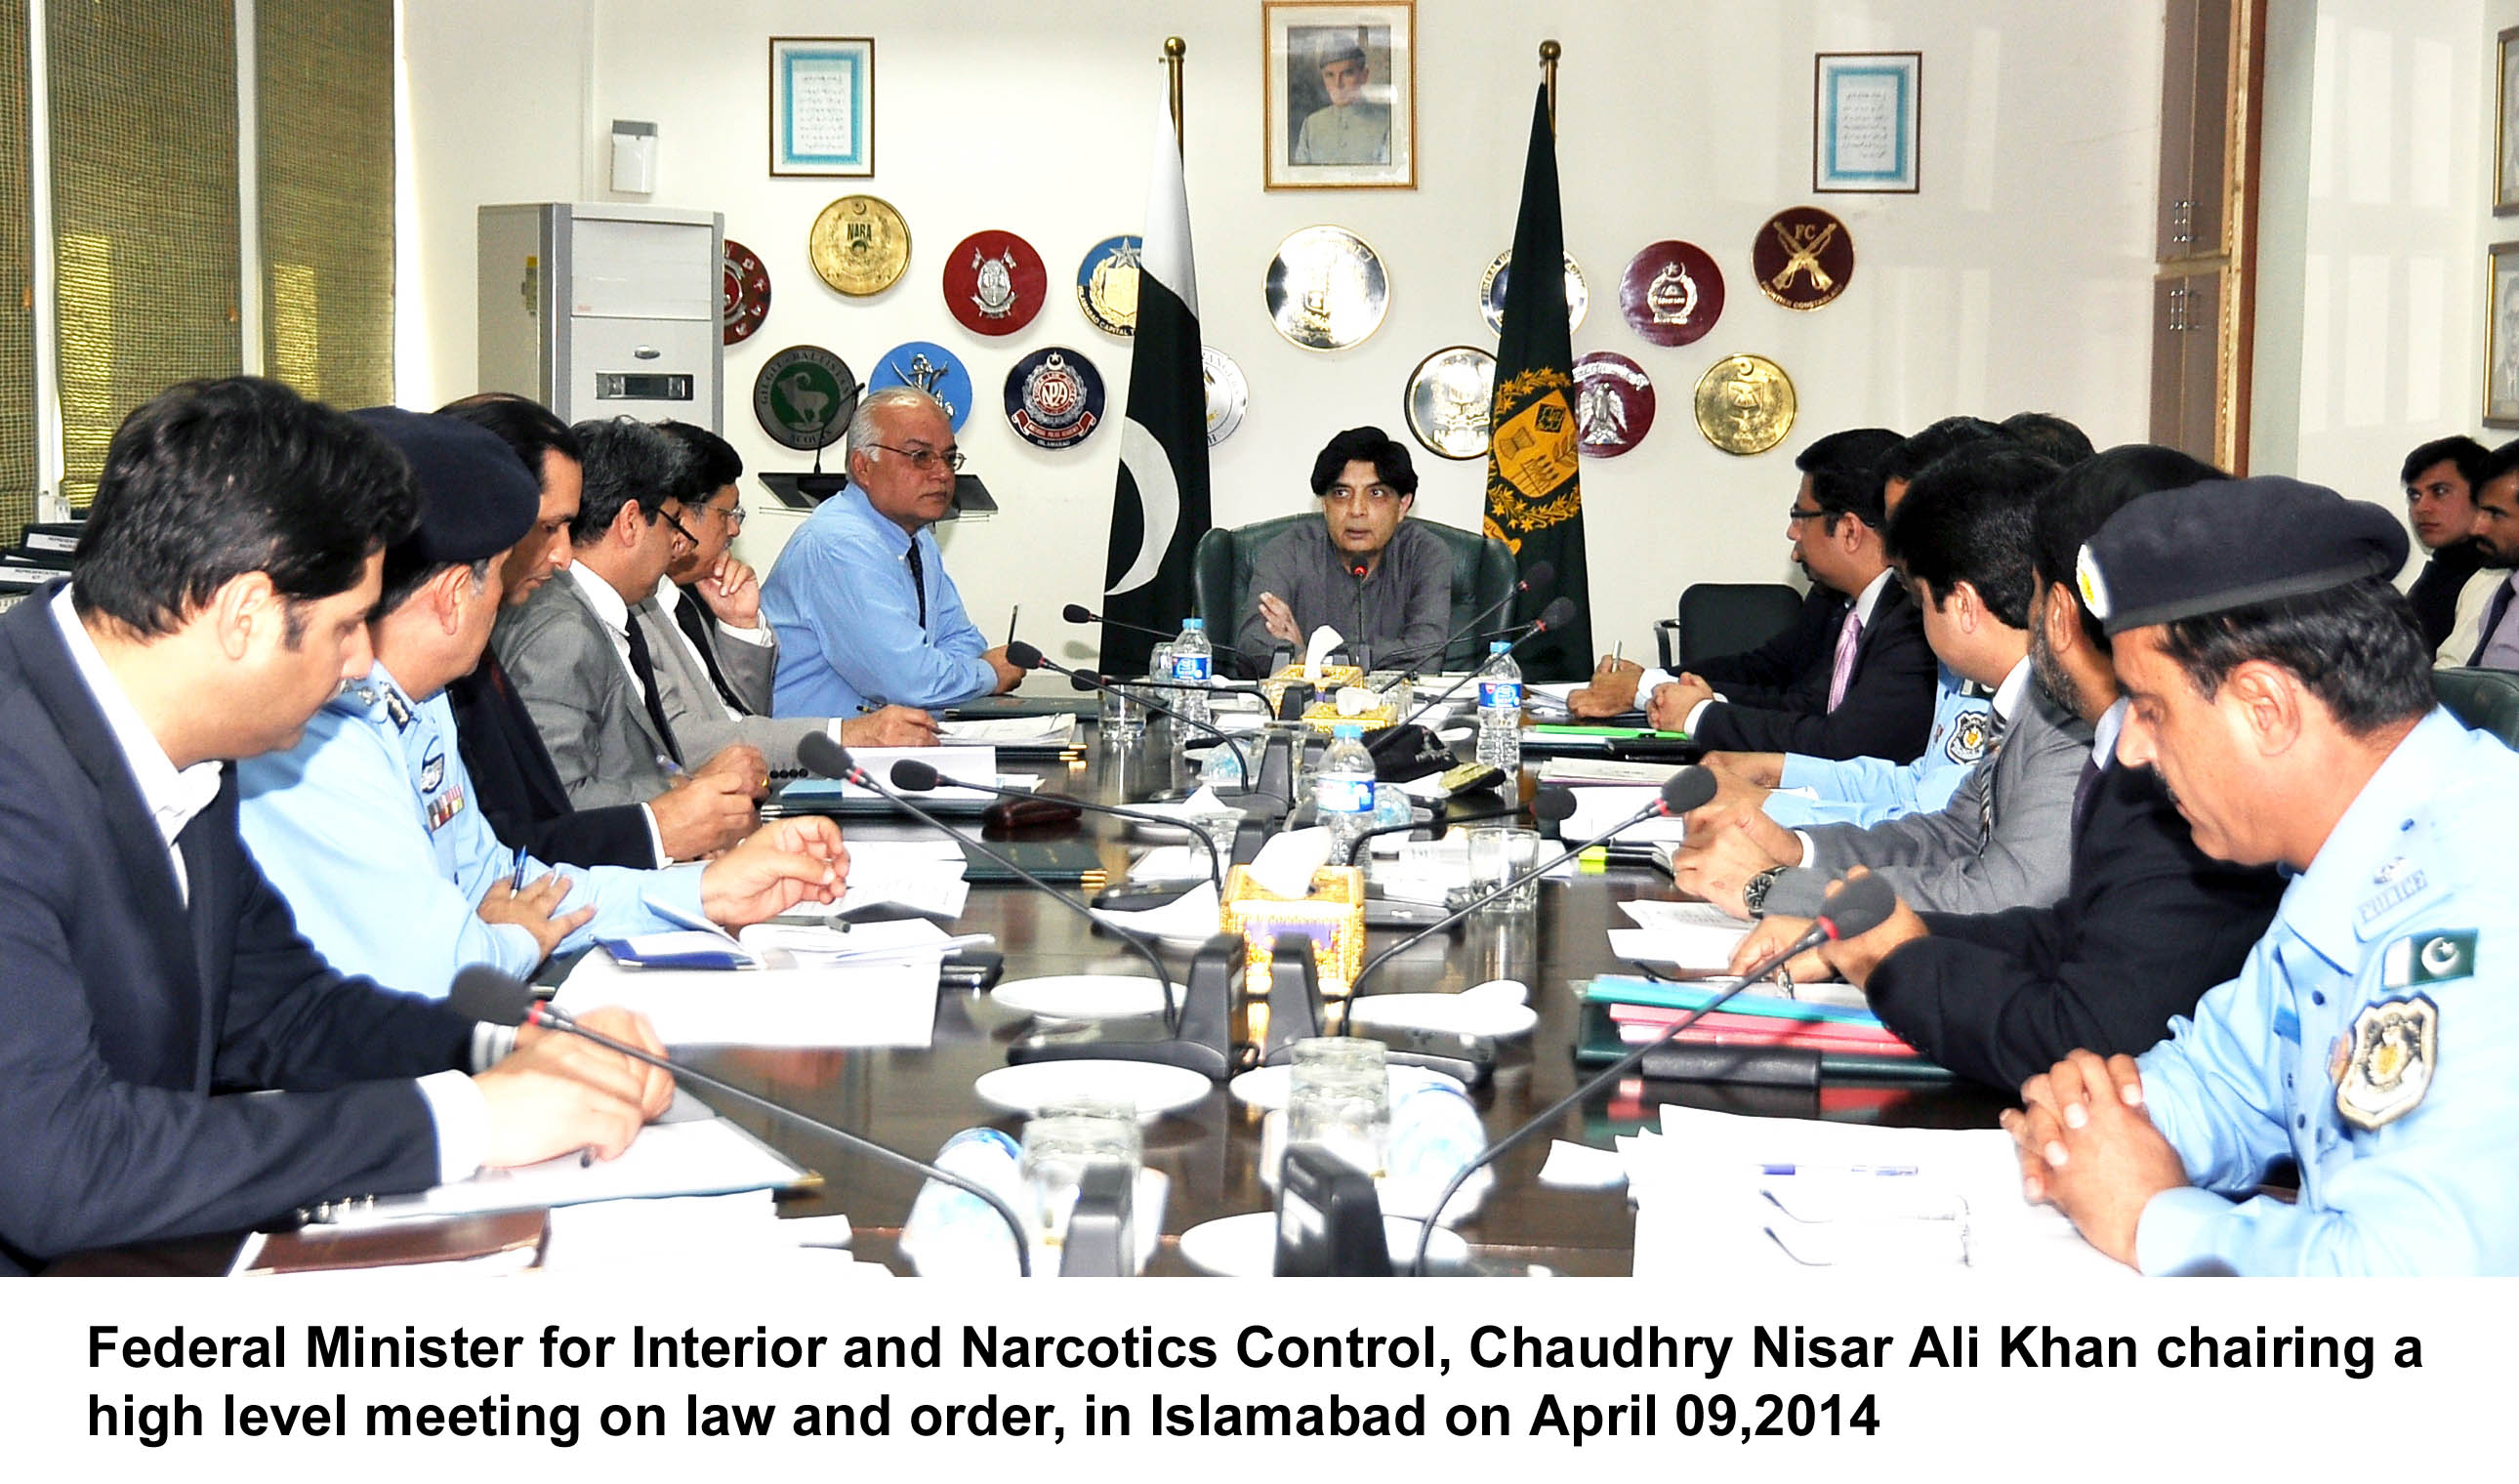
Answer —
(1534, 495)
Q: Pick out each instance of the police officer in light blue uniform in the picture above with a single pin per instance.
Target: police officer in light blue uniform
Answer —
(2373, 1035)
(1865, 791)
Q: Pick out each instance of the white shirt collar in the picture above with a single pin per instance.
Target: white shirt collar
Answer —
(174, 796)
(2105, 733)
(669, 596)
(1869, 597)
(2007, 695)
(602, 598)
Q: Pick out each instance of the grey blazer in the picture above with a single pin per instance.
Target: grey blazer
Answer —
(1944, 861)
(573, 682)
(692, 703)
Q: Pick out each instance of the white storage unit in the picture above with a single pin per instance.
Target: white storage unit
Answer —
(596, 308)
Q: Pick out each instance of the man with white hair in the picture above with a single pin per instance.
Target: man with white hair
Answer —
(865, 615)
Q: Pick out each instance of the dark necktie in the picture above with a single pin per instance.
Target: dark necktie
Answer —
(2493, 617)
(1985, 803)
(644, 667)
(2084, 790)
(694, 617)
(918, 578)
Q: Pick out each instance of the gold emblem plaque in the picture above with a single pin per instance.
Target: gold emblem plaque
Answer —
(860, 246)
(1745, 404)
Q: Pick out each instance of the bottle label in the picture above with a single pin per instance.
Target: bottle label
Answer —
(1495, 695)
(1190, 669)
(1342, 796)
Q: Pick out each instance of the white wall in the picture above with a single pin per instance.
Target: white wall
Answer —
(2018, 279)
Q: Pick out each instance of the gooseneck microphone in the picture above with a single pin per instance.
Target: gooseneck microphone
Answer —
(1030, 657)
(1688, 789)
(822, 753)
(1443, 824)
(1078, 613)
(1861, 905)
(1559, 613)
(911, 775)
(486, 994)
(1540, 574)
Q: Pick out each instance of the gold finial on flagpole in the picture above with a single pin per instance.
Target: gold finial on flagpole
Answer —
(1549, 52)
(1174, 49)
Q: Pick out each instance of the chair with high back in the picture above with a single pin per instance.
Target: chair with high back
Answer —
(1725, 618)
(2487, 700)
(1482, 575)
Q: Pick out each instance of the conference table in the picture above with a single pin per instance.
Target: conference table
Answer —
(913, 1099)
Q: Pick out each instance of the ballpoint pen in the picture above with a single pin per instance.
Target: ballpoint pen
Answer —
(516, 873)
(673, 769)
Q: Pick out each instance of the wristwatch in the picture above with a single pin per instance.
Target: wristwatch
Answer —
(1753, 892)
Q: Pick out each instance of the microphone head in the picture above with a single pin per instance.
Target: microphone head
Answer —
(1691, 788)
(491, 996)
(1084, 679)
(1559, 613)
(1553, 804)
(916, 776)
(822, 753)
(1540, 574)
(1075, 613)
(1023, 656)
(1861, 905)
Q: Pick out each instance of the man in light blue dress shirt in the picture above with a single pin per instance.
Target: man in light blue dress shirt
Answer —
(368, 826)
(865, 615)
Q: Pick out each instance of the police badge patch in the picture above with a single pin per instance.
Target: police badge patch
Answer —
(1971, 737)
(1054, 398)
(2388, 1067)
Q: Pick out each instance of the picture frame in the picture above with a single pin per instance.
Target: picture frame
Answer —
(2501, 335)
(821, 106)
(1865, 114)
(1341, 93)
(2505, 124)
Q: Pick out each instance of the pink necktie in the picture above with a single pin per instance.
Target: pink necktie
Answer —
(1847, 637)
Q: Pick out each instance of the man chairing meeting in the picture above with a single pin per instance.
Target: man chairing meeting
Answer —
(1382, 581)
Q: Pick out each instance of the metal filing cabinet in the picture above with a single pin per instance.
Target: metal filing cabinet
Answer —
(596, 308)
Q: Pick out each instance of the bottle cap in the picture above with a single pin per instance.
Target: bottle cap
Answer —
(1194, 626)
(1351, 732)
(1498, 646)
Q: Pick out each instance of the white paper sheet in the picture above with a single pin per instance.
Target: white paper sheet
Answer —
(703, 1157)
(878, 1003)
(1018, 731)
(1689, 945)
(1600, 806)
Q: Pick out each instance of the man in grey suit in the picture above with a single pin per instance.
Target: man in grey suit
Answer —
(1963, 537)
(585, 673)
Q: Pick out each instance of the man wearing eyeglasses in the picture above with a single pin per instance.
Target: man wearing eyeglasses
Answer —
(1386, 585)
(863, 611)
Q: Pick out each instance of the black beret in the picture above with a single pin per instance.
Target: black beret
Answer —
(2229, 543)
(476, 498)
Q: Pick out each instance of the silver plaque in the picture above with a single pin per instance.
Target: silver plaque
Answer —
(1452, 395)
(1326, 289)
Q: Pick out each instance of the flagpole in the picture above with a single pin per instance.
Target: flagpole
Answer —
(1549, 51)
(1174, 49)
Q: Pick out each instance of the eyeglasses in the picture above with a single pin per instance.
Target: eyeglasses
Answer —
(733, 514)
(680, 530)
(1796, 515)
(1375, 494)
(923, 459)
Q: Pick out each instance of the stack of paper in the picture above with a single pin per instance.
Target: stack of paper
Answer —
(923, 876)
(884, 1002)
(1029, 733)
(695, 1234)
(1583, 770)
(1692, 934)
(1601, 807)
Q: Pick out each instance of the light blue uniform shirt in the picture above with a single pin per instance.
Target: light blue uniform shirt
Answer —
(368, 827)
(1869, 790)
(839, 598)
(2373, 1035)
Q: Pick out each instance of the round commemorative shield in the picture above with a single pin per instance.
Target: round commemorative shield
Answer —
(995, 282)
(930, 367)
(1228, 394)
(1672, 293)
(1803, 257)
(860, 246)
(1613, 404)
(805, 396)
(1106, 285)
(1452, 395)
(1578, 295)
(1054, 398)
(1745, 405)
(746, 293)
(1327, 290)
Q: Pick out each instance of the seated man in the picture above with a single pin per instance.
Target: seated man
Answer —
(2373, 1035)
(515, 784)
(2485, 629)
(1964, 536)
(2148, 922)
(174, 1060)
(581, 668)
(859, 599)
(2440, 478)
(1386, 585)
(367, 825)
(715, 658)
(1853, 677)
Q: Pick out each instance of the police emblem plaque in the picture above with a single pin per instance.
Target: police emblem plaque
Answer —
(1450, 398)
(1228, 394)
(933, 370)
(1327, 290)
(1672, 293)
(1613, 404)
(994, 284)
(804, 397)
(745, 297)
(1054, 398)
(1106, 285)
(1578, 294)
(1803, 257)
(860, 246)
(1745, 404)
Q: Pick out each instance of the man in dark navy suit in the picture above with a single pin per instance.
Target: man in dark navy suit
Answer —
(174, 1059)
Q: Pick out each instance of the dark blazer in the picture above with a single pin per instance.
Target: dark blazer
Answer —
(519, 790)
(2434, 595)
(1776, 696)
(131, 1024)
(2149, 925)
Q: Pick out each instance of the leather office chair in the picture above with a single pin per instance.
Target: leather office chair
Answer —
(1482, 574)
(1725, 618)
(2487, 700)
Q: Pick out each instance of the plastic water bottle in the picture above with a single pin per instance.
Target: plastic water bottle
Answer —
(1500, 711)
(1434, 1135)
(952, 1233)
(1193, 664)
(1343, 792)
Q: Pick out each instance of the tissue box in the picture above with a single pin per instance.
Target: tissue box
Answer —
(1331, 916)
(1332, 678)
(1323, 716)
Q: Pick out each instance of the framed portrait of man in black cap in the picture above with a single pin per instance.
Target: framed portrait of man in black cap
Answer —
(1342, 94)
